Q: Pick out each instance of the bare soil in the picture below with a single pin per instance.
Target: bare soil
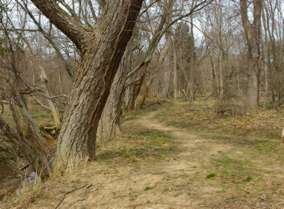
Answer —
(202, 173)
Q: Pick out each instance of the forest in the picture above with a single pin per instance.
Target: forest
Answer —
(141, 104)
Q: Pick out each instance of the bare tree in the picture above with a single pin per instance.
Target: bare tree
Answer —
(101, 50)
(252, 33)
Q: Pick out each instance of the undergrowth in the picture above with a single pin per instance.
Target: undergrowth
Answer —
(200, 115)
(255, 150)
(137, 144)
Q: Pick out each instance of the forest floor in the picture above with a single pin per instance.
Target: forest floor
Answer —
(176, 155)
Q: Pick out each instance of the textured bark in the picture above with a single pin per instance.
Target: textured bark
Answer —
(175, 71)
(99, 64)
(253, 39)
(52, 107)
(15, 148)
(8, 166)
(140, 71)
(110, 120)
(135, 90)
(8, 158)
(67, 24)
(13, 145)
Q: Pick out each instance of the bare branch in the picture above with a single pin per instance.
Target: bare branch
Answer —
(66, 23)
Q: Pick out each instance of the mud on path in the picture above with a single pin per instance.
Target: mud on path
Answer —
(174, 183)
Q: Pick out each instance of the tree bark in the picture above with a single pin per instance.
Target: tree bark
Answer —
(175, 71)
(102, 48)
(100, 60)
(52, 107)
(69, 25)
(13, 145)
(110, 120)
(253, 38)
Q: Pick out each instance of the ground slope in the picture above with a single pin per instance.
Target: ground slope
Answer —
(164, 166)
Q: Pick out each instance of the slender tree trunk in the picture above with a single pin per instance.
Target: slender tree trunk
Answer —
(266, 86)
(175, 71)
(52, 107)
(221, 76)
(214, 78)
(253, 38)
(135, 91)
(252, 86)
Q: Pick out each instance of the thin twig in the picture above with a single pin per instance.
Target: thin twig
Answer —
(71, 191)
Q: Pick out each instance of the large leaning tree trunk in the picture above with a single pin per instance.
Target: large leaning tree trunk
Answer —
(102, 48)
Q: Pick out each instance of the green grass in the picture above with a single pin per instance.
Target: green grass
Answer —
(270, 149)
(211, 175)
(41, 117)
(150, 106)
(138, 144)
(254, 143)
(266, 147)
(236, 175)
(235, 170)
(201, 115)
(258, 131)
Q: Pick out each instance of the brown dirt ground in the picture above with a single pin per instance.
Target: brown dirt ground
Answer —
(176, 182)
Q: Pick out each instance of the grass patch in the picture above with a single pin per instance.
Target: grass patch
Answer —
(258, 131)
(201, 115)
(266, 147)
(150, 106)
(40, 115)
(270, 149)
(28, 193)
(147, 188)
(211, 175)
(235, 169)
(138, 144)
(255, 151)
(238, 172)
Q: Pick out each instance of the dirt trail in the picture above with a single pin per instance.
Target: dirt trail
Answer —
(171, 184)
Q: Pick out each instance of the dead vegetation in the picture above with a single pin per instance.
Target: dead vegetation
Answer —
(201, 115)
(100, 62)
(176, 155)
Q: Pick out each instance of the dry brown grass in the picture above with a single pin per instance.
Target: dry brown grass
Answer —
(178, 155)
